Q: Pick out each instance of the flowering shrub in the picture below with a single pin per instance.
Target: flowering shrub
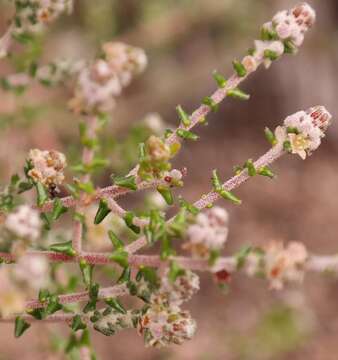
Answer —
(31, 244)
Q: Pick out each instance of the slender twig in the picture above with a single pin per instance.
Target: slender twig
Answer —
(206, 200)
(87, 158)
(317, 263)
(117, 290)
(59, 317)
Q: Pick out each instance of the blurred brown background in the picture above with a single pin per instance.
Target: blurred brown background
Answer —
(185, 40)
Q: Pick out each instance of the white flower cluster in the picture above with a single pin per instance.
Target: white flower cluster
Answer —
(47, 167)
(25, 224)
(20, 280)
(174, 293)
(302, 132)
(102, 81)
(279, 264)
(162, 326)
(209, 233)
(285, 33)
(31, 14)
(293, 24)
(164, 322)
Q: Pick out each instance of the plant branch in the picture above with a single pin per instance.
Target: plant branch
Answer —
(273, 154)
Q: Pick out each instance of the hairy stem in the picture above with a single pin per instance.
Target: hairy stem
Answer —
(273, 154)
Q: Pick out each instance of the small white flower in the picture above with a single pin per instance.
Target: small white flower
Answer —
(209, 233)
(32, 271)
(304, 130)
(276, 47)
(250, 63)
(102, 81)
(24, 223)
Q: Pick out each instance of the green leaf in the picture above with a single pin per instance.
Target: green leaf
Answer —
(251, 167)
(38, 313)
(20, 326)
(64, 248)
(216, 183)
(117, 243)
(58, 209)
(185, 134)
(128, 182)
(77, 323)
(227, 195)
(287, 146)
(42, 194)
(23, 38)
(102, 212)
(93, 295)
(120, 256)
(239, 68)
(47, 221)
(175, 271)
(290, 47)
(220, 80)
(268, 35)
(87, 272)
(270, 136)
(241, 256)
(128, 219)
(25, 186)
(125, 276)
(238, 94)
(271, 55)
(209, 101)
(166, 194)
(53, 305)
(116, 304)
(166, 248)
(292, 130)
(189, 207)
(213, 256)
(44, 295)
(265, 171)
(184, 117)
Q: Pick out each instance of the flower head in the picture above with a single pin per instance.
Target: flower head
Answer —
(284, 34)
(209, 233)
(278, 263)
(157, 150)
(100, 82)
(162, 326)
(174, 293)
(302, 132)
(24, 223)
(47, 167)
